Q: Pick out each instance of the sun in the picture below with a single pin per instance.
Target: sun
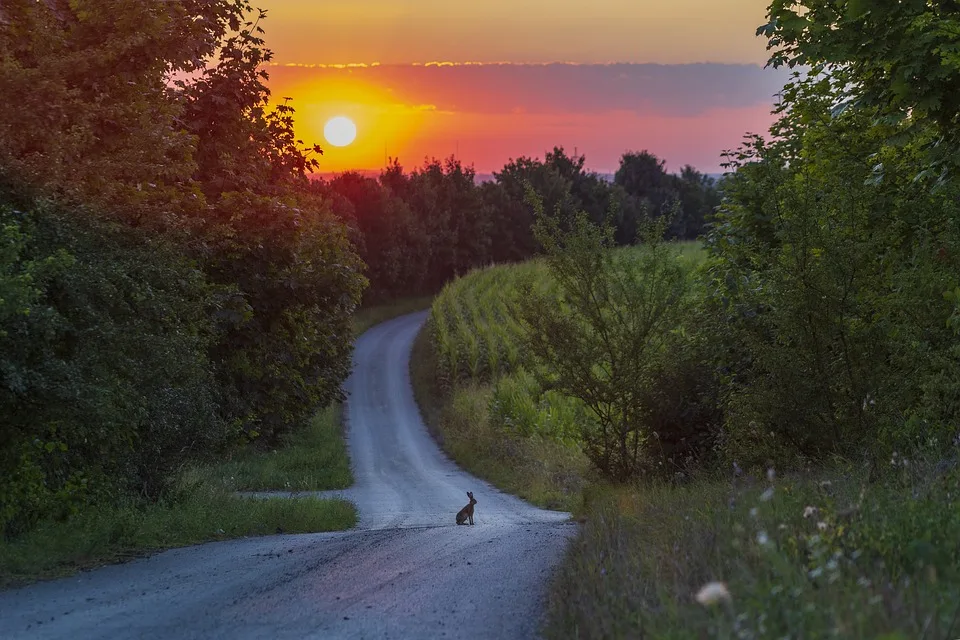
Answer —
(340, 131)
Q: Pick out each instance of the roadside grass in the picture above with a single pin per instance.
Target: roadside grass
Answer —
(369, 316)
(313, 458)
(539, 470)
(202, 508)
(827, 555)
(201, 513)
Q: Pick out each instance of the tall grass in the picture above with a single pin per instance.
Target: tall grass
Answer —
(802, 557)
(202, 513)
(313, 458)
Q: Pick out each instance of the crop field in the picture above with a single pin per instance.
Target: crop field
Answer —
(478, 338)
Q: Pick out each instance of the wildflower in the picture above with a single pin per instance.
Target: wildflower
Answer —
(771, 474)
(863, 582)
(753, 512)
(712, 593)
(762, 538)
(815, 573)
(766, 495)
(822, 526)
(809, 511)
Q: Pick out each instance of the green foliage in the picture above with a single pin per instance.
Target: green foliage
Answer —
(828, 288)
(800, 557)
(649, 191)
(105, 385)
(606, 336)
(285, 348)
(478, 337)
(898, 60)
(186, 291)
(313, 458)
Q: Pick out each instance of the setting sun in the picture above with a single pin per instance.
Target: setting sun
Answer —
(340, 131)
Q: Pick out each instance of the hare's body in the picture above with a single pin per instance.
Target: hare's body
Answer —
(466, 513)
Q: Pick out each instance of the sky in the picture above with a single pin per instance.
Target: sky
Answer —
(492, 81)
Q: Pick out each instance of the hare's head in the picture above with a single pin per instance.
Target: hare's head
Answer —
(472, 499)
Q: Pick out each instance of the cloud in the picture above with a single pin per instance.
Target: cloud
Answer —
(684, 90)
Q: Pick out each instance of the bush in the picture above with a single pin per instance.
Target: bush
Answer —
(104, 381)
(830, 290)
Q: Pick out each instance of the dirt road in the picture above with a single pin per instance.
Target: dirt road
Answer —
(407, 571)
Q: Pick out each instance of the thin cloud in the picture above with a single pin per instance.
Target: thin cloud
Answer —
(684, 90)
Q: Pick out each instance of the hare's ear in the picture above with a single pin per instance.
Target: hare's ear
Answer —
(469, 494)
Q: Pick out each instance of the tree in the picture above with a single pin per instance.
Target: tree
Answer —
(605, 336)
(832, 290)
(94, 119)
(899, 60)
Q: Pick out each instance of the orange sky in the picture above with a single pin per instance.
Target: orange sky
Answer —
(493, 112)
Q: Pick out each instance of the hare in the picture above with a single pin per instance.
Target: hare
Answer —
(467, 512)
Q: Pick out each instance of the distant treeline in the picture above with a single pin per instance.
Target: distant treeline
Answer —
(417, 230)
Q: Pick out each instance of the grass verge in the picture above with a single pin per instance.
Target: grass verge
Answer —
(311, 459)
(372, 315)
(102, 536)
(202, 509)
(807, 557)
(539, 470)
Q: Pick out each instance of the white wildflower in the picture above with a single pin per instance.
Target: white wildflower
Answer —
(822, 526)
(753, 512)
(771, 474)
(809, 511)
(766, 495)
(712, 593)
(762, 538)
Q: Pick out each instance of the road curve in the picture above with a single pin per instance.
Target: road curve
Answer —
(406, 571)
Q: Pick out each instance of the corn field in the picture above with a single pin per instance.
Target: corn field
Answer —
(477, 339)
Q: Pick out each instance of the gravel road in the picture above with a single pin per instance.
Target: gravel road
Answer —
(407, 571)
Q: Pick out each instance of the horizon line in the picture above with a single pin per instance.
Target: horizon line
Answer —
(500, 63)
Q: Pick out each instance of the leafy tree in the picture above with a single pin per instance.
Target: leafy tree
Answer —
(169, 279)
(449, 205)
(104, 381)
(899, 60)
(605, 338)
(94, 120)
(242, 144)
(829, 287)
(393, 241)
